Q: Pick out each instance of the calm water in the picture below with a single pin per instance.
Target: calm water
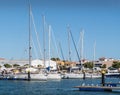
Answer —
(63, 87)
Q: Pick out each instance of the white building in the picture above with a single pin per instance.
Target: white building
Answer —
(47, 63)
(34, 63)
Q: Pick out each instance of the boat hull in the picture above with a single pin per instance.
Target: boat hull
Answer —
(24, 76)
(80, 76)
(72, 76)
(112, 75)
(54, 76)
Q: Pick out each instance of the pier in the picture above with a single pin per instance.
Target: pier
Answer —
(109, 87)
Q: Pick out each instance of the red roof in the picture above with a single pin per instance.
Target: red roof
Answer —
(2, 58)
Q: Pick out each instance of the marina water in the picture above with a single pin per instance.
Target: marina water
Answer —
(61, 87)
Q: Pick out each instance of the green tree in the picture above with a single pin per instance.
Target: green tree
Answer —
(64, 67)
(39, 66)
(58, 59)
(55, 59)
(116, 64)
(26, 65)
(103, 66)
(7, 65)
(16, 65)
(88, 65)
(61, 67)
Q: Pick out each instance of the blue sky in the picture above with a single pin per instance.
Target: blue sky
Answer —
(100, 20)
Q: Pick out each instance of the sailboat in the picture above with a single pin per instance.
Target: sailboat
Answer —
(71, 75)
(93, 75)
(84, 74)
(51, 75)
(29, 74)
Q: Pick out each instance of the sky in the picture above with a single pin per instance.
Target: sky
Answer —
(100, 20)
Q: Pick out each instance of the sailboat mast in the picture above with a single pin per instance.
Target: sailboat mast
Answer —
(81, 51)
(69, 52)
(30, 48)
(94, 53)
(75, 47)
(44, 38)
(30, 56)
(61, 52)
(49, 42)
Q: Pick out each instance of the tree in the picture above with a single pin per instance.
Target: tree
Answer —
(26, 65)
(116, 64)
(58, 59)
(64, 68)
(39, 66)
(88, 65)
(16, 65)
(60, 67)
(103, 66)
(55, 59)
(7, 65)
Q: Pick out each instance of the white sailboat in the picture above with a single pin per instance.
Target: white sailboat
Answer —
(34, 76)
(93, 75)
(30, 74)
(51, 75)
(72, 75)
(80, 75)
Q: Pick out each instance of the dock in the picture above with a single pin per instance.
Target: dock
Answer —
(108, 87)
(98, 88)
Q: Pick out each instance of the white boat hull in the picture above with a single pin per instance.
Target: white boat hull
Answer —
(40, 77)
(78, 76)
(93, 76)
(53, 76)
(72, 76)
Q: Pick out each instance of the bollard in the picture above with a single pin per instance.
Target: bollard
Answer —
(103, 78)
(29, 76)
(83, 75)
